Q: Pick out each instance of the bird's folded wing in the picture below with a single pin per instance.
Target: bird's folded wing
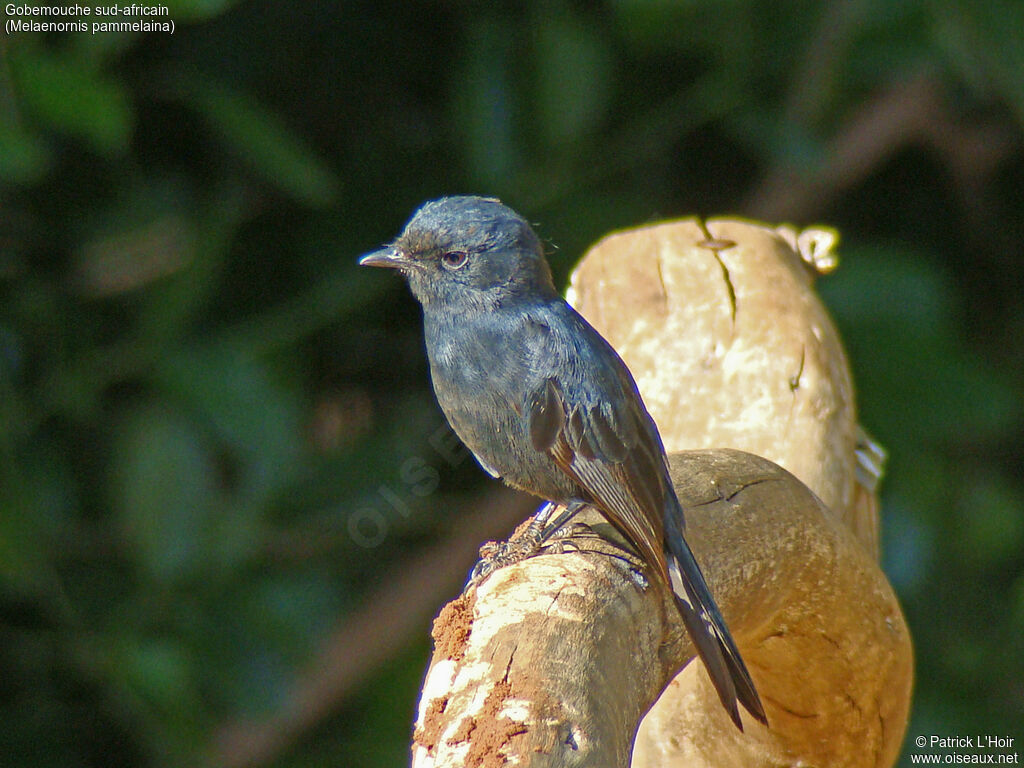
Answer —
(607, 454)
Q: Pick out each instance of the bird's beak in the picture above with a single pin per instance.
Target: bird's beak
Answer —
(385, 257)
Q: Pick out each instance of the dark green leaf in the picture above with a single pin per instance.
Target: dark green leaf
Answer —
(264, 142)
(71, 96)
(572, 79)
(165, 488)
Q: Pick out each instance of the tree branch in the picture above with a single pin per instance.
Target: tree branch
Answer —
(554, 661)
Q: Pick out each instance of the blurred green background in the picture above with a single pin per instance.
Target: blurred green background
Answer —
(228, 505)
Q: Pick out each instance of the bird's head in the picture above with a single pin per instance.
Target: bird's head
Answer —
(467, 252)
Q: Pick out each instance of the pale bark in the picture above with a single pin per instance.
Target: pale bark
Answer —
(554, 661)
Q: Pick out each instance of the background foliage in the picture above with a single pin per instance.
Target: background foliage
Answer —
(222, 479)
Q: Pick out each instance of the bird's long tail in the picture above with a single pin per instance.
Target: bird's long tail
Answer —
(707, 629)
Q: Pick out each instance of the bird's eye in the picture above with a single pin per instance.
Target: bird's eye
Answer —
(454, 259)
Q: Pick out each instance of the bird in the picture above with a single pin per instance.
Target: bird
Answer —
(545, 403)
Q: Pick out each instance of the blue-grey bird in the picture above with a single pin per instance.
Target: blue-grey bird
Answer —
(545, 403)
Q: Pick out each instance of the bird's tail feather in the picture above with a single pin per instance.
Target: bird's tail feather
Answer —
(710, 635)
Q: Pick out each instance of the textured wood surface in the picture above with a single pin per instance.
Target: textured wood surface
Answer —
(555, 660)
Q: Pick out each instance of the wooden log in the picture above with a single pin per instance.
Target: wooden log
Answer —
(555, 660)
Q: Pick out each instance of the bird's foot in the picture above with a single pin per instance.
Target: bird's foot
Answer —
(498, 554)
(538, 535)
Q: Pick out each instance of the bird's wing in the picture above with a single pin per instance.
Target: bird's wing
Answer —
(585, 413)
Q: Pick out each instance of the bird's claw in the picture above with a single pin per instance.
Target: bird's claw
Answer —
(498, 554)
(534, 540)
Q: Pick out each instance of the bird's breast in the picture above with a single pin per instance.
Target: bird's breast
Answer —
(480, 376)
